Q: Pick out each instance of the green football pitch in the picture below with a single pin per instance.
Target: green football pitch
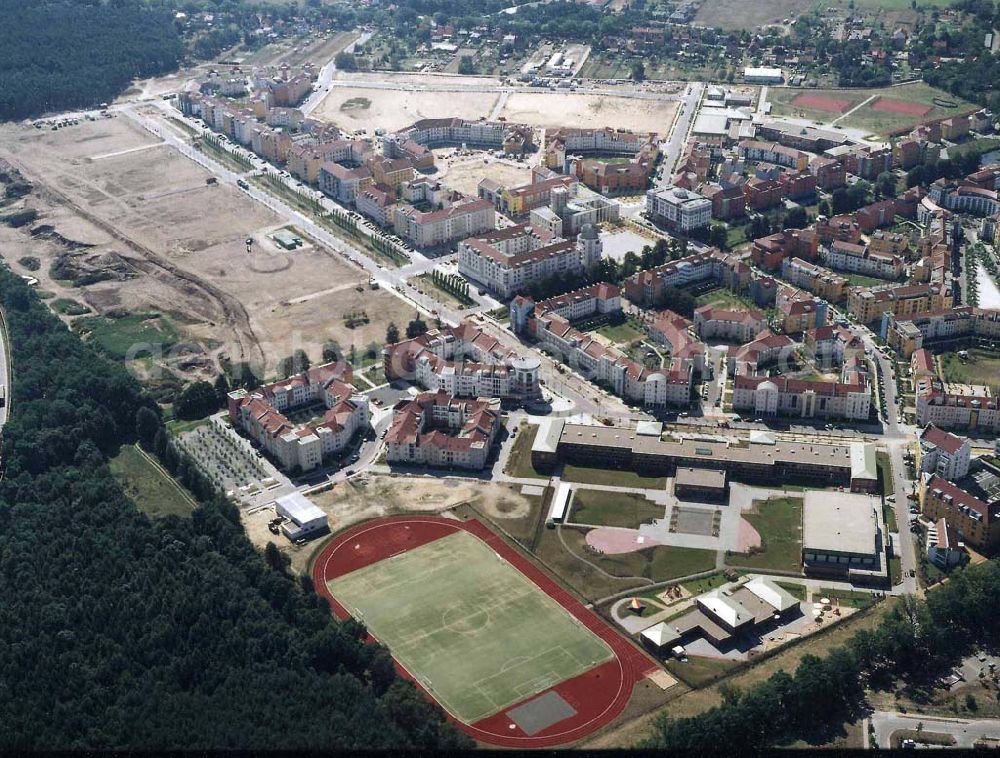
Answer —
(471, 628)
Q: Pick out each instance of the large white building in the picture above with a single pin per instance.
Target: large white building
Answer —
(508, 261)
(304, 519)
(678, 209)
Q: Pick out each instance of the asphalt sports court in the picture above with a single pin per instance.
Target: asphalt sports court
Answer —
(472, 629)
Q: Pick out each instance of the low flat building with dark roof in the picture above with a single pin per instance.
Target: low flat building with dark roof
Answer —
(617, 447)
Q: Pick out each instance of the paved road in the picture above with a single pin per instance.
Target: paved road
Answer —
(326, 75)
(4, 374)
(965, 732)
(674, 145)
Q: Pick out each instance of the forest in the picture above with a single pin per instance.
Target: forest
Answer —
(63, 54)
(118, 632)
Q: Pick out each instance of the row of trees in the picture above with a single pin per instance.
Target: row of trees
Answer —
(916, 641)
(125, 633)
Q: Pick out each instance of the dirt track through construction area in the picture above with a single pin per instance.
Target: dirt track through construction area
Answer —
(109, 184)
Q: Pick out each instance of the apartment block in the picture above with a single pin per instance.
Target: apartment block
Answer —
(678, 209)
(261, 415)
(511, 260)
(436, 429)
(815, 279)
(867, 304)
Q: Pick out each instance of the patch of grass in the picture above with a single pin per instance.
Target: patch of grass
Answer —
(860, 280)
(624, 509)
(176, 428)
(895, 570)
(850, 598)
(118, 337)
(709, 583)
(153, 492)
(796, 590)
(356, 104)
(519, 462)
(612, 477)
(621, 333)
(699, 671)
(672, 562)
(69, 307)
(584, 578)
(982, 367)
(722, 298)
(778, 521)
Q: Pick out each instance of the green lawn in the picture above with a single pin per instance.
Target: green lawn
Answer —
(884, 464)
(625, 509)
(851, 598)
(982, 367)
(860, 280)
(722, 298)
(672, 562)
(153, 492)
(622, 333)
(699, 671)
(611, 477)
(700, 586)
(797, 590)
(474, 630)
(778, 521)
(121, 337)
(519, 462)
(895, 570)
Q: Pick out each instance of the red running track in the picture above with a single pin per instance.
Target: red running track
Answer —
(598, 696)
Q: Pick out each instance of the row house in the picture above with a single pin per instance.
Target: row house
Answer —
(948, 328)
(977, 521)
(799, 311)
(727, 325)
(945, 454)
(773, 152)
(549, 323)
(674, 332)
(764, 396)
(976, 414)
(728, 201)
(344, 184)
(829, 172)
(681, 210)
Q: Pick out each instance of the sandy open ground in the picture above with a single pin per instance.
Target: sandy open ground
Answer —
(392, 109)
(464, 172)
(374, 496)
(184, 245)
(554, 109)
